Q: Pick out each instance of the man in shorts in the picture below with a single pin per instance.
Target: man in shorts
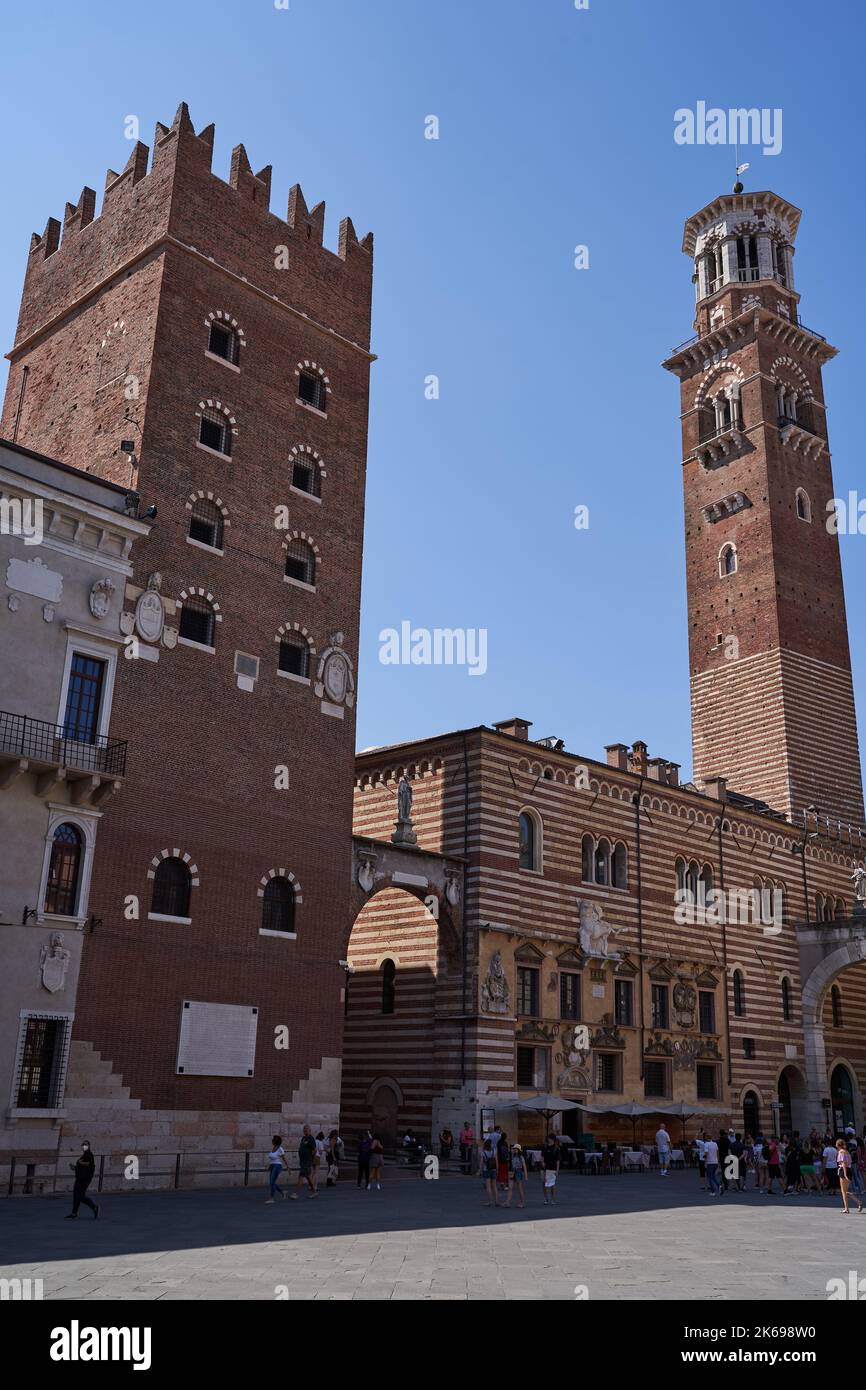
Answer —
(306, 1154)
(551, 1157)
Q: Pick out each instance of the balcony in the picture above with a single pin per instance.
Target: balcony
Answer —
(721, 446)
(800, 436)
(748, 273)
(53, 754)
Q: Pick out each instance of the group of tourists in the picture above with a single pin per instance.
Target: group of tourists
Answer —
(503, 1167)
(315, 1154)
(819, 1163)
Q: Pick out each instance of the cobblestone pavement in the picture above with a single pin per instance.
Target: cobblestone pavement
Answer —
(635, 1236)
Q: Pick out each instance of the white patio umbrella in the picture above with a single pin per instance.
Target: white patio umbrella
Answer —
(549, 1105)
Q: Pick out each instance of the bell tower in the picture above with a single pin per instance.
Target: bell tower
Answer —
(771, 691)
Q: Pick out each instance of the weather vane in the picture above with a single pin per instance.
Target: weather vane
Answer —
(740, 169)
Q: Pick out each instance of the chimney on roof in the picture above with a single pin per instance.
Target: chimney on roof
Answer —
(617, 755)
(657, 770)
(515, 728)
(717, 787)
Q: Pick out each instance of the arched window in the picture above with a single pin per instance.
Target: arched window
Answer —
(786, 999)
(307, 475)
(64, 871)
(206, 524)
(223, 342)
(739, 994)
(311, 390)
(727, 560)
(747, 258)
(836, 1006)
(705, 884)
(171, 884)
(822, 908)
(528, 840)
(294, 655)
(278, 906)
(300, 562)
(197, 622)
(389, 972)
(681, 875)
(724, 416)
(214, 431)
(751, 1114)
(692, 877)
(620, 865)
(587, 859)
(602, 862)
(839, 911)
(804, 505)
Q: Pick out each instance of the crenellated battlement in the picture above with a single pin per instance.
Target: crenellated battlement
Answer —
(173, 195)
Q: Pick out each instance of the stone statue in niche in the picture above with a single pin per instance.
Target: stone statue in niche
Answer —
(858, 878)
(54, 960)
(100, 597)
(495, 994)
(452, 888)
(595, 932)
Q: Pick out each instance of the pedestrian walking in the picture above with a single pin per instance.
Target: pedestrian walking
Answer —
(333, 1157)
(467, 1144)
(306, 1155)
(711, 1159)
(446, 1143)
(518, 1174)
(759, 1154)
(84, 1168)
(663, 1145)
(738, 1150)
(377, 1163)
(808, 1174)
(701, 1151)
(793, 1179)
(503, 1166)
(723, 1147)
(843, 1169)
(774, 1166)
(365, 1144)
(551, 1157)
(488, 1171)
(831, 1170)
(276, 1164)
(319, 1157)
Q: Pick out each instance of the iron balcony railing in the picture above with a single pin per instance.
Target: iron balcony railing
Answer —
(61, 745)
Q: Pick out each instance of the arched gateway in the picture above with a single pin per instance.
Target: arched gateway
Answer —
(405, 989)
(826, 949)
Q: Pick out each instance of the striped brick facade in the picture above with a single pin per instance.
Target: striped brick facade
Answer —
(470, 805)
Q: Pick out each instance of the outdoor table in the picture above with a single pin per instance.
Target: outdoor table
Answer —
(633, 1158)
(533, 1157)
(677, 1157)
(594, 1156)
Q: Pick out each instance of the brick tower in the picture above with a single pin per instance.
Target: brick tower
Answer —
(772, 696)
(214, 358)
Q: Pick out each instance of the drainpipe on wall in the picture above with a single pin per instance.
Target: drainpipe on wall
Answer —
(636, 800)
(725, 952)
(24, 374)
(465, 908)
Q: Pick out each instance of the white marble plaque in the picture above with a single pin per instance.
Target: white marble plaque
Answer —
(34, 577)
(216, 1039)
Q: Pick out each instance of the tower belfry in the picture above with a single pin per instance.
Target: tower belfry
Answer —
(771, 690)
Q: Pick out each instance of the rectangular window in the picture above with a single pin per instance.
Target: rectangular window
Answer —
(706, 1079)
(608, 1071)
(660, 1006)
(707, 1010)
(83, 698)
(748, 1047)
(527, 991)
(213, 434)
(311, 390)
(569, 996)
(532, 1067)
(657, 1079)
(43, 1059)
(623, 993)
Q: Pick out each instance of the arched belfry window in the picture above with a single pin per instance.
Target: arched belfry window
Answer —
(804, 505)
(389, 974)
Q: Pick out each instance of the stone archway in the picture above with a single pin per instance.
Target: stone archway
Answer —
(406, 982)
(793, 1092)
(825, 951)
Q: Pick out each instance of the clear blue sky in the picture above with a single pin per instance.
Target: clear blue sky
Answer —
(556, 129)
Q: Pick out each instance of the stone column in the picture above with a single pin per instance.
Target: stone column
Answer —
(730, 273)
(765, 257)
(816, 1073)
